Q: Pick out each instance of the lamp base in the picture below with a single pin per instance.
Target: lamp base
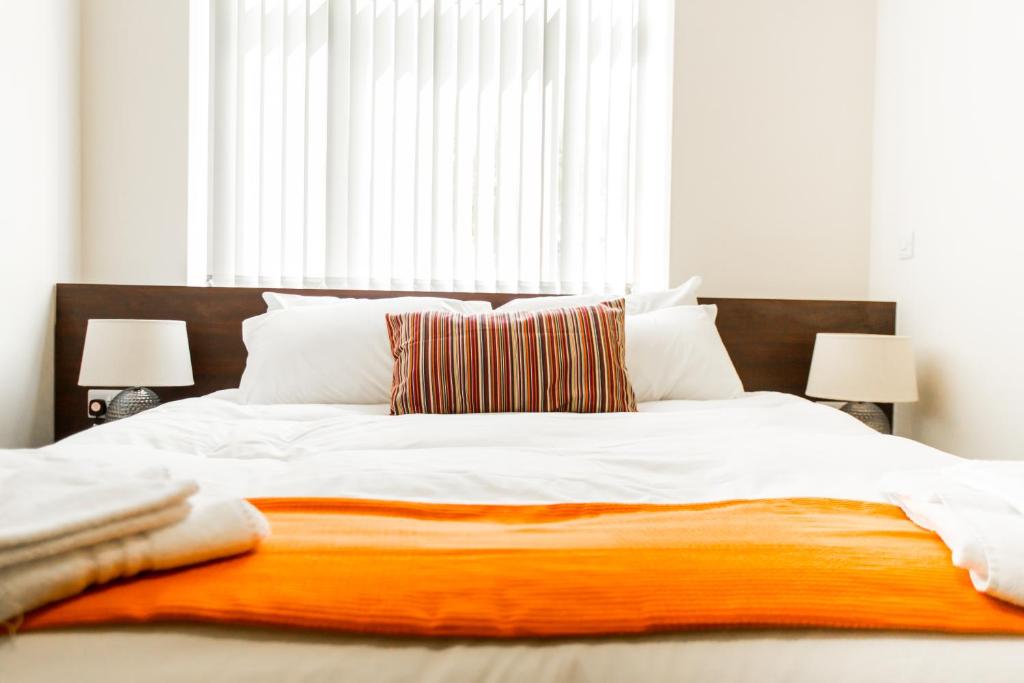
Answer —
(868, 413)
(130, 402)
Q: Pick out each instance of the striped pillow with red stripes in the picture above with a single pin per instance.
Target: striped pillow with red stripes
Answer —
(558, 360)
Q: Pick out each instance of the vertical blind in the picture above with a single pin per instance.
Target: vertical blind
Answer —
(487, 145)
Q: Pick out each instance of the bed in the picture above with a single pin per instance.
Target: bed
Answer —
(761, 445)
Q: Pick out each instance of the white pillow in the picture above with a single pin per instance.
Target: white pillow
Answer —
(278, 300)
(684, 294)
(676, 353)
(327, 354)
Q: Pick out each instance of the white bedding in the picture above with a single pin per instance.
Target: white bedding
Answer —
(759, 445)
(763, 445)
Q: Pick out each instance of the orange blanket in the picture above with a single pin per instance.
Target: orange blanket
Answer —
(515, 571)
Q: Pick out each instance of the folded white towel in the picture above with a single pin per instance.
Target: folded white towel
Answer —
(977, 509)
(44, 498)
(67, 523)
(212, 530)
(50, 505)
(145, 521)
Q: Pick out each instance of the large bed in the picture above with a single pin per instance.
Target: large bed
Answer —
(761, 445)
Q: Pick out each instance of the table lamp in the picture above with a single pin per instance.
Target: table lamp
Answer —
(135, 354)
(863, 370)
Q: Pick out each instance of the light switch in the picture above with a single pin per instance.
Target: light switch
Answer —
(906, 246)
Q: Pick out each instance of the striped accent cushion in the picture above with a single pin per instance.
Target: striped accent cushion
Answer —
(558, 360)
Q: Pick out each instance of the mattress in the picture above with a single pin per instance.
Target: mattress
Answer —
(176, 653)
(761, 445)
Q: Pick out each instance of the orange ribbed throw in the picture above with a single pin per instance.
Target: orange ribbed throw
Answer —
(559, 570)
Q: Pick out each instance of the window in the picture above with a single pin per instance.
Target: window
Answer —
(432, 144)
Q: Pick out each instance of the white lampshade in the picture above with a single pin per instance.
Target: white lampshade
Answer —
(136, 353)
(876, 368)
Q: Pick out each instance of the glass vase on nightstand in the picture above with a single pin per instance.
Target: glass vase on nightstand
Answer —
(868, 413)
(130, 402)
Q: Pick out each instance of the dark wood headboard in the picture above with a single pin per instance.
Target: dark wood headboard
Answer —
(770, 340)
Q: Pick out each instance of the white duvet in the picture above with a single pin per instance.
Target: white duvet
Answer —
(762, 445)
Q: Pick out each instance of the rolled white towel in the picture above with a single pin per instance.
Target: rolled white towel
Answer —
(977, 509)
(212, 530)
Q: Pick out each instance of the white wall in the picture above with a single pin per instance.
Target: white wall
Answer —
(772, 146)
(38, 203)
(134, 140)
(949, 167)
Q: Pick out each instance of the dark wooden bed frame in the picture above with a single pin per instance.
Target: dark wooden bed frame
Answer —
(770, 340)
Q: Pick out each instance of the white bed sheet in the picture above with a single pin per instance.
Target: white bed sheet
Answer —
(763, 445)
(760, 445)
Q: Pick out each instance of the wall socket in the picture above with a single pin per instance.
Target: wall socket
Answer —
(101, 394)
